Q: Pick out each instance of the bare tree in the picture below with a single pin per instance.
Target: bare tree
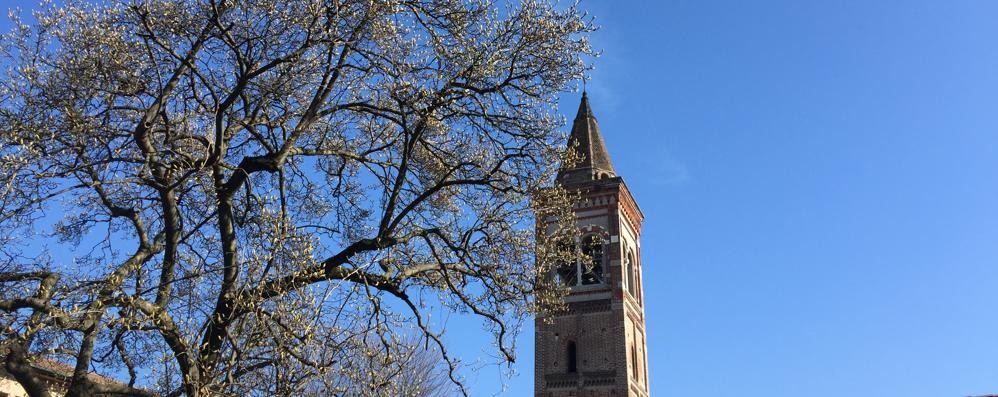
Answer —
(253, 191)
(414, 371)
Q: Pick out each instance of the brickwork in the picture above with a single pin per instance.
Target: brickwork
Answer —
(598, 347)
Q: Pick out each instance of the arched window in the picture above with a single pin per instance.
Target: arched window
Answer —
(630, 273)
(568, 268)
(634, 362)
(592, 248)
(571, 357)
(637, 280)
(582, 266)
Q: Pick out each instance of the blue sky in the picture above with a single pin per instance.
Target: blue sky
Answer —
(820, 186)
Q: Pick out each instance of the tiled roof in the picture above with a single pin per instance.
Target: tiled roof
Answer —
(594, 160)
(60, 368)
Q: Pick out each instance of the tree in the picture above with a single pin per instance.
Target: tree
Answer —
(413, 372)
(248, 188)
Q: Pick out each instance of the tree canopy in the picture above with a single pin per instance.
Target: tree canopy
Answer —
(258, 195)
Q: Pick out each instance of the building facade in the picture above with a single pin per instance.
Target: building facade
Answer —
(596, 347)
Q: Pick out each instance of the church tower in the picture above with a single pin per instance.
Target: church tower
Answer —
(597, 346)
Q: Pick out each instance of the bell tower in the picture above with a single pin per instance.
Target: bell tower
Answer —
(597, 346)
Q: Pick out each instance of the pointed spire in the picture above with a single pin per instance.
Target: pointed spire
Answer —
(594, 160)
(584, 109)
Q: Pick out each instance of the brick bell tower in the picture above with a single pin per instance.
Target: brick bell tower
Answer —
(596, 347)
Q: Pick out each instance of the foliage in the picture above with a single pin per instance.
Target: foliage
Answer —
(275, 184)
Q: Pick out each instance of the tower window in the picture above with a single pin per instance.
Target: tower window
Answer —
(634, 362)
(592, 247)
(630, 273)
(568, 269)
(570, 360)
(638, 282)
(585, 266)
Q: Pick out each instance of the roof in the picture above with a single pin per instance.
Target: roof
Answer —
(57, 374)
(60, 368)
(594, 160)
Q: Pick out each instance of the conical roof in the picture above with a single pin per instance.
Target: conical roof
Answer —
(594, 160)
